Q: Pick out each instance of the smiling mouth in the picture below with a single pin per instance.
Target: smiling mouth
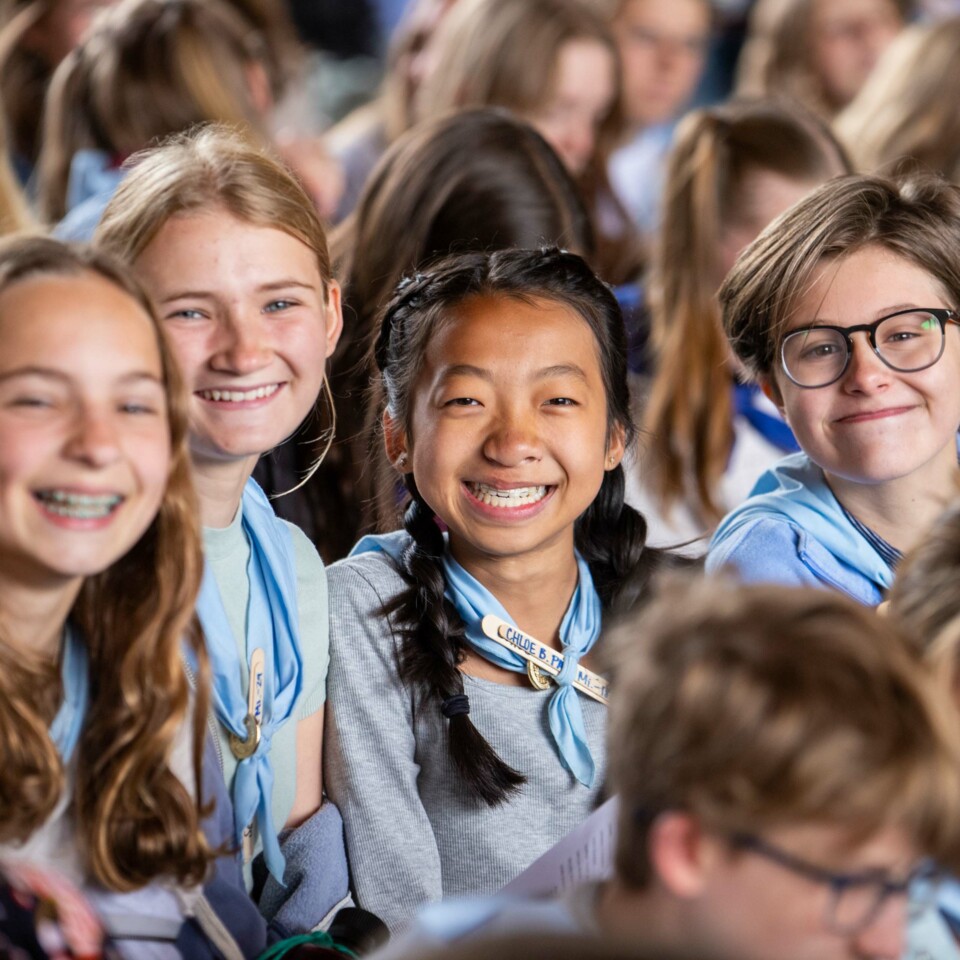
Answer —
(874, 414)
(79, 506)
(513, 497)
(239, 396)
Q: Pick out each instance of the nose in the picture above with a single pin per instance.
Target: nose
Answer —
(93, 439)
(513, 441)
(243, 344)
(884, 938)
(865, 372)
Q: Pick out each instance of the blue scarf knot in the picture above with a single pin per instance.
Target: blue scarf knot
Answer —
(579, 631)
(273, 626)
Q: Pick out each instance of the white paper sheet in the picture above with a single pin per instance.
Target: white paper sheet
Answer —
(583, 855)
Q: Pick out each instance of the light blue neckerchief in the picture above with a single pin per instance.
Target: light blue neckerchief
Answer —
(75, 676)
(795, 490)
(272, 625)
(578, 633)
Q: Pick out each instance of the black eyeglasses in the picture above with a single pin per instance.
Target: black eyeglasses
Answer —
(856, 899)
(906, 341)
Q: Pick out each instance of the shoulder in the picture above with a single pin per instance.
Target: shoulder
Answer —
(307, 560)
(762, 549)
(375, 569)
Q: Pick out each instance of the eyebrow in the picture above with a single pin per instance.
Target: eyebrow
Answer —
(286, 283)
(546, 373)
(885, 312)
(49, 373)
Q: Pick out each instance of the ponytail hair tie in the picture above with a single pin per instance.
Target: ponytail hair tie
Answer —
(455, 706)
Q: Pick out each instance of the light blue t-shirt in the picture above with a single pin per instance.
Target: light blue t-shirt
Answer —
(227, 550)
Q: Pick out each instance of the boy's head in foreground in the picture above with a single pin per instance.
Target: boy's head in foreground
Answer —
(784, 766)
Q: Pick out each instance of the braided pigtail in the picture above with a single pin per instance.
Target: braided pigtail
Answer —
(612, 537)
(433, 649)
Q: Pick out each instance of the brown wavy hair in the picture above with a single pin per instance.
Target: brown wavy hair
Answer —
(135, 820)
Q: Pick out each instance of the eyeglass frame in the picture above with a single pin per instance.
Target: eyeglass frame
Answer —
(839, 881)
(944, 315)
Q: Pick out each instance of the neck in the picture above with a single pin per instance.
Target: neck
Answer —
(219, 485)
(33, 616)
(901, 511)
(534, 590)
(649, 920)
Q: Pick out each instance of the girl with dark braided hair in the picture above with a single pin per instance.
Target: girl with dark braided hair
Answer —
(507, 416)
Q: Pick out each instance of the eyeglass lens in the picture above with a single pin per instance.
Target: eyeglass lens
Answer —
(853, 907)
(905, 342)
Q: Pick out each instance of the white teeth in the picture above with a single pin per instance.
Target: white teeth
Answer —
(515, 497)
(79, 506)
(238, 396)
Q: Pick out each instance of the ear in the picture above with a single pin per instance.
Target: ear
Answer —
(616, 446)
(395, 441)
(334, 318)
(678, 850)
(772, 392)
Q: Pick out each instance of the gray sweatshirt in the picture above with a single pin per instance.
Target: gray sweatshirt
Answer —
(414, 833)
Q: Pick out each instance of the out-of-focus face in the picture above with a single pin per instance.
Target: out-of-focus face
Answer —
(84, 430)
(753, 908)
(662, 47)
(847, 38)
(585, 85)
(762, 197)
(62, 29)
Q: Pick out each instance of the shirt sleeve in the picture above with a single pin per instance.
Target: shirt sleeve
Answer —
(765, 550)
(312, 606)
(370, 765)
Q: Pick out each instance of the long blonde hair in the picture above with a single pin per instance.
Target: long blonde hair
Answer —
(907, 110)
(149, 68)
(688, 415)
(135, 820)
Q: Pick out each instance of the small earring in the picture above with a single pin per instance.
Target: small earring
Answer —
(402, 460)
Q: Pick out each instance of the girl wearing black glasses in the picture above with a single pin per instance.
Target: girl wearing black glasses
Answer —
(844, 310)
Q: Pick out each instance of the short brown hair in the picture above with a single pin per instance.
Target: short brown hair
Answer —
(752, 707)
(914, 217)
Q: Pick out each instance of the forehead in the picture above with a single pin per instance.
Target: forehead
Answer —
(193, 239)
(59, 317)
(678, 16)
(513, 335)
(582, 58)
(863, 285)
(845, 850)
(836, 13)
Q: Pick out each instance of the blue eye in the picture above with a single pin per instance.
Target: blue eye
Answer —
(138, 407)
(186, 314)
(275, 306)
